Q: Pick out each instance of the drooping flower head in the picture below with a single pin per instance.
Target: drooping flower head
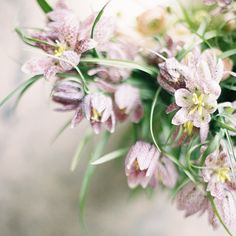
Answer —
(128, 103)
(191, 199)
(68, 93)
(98, 110)
(141, 165)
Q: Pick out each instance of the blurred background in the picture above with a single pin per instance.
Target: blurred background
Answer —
(38, 193)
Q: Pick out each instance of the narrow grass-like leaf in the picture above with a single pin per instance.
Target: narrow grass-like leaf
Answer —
(29, 40)
(223, 125)
(97, 19)
(44, 6)
(79, 149)
(61, 130)
(228, 53)
(213, 145)
(121, 63)
(89, 172)
(110, 156)
(22, 87)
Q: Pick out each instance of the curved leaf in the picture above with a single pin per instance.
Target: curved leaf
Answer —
(44, 6)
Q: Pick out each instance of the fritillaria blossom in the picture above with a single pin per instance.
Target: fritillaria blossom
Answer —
(98, 110)
(141, 164)
(62, 42)
(192, 199)
(128, 103)
(218, 173)
(221, 3)
(68, 93)
(145, 166)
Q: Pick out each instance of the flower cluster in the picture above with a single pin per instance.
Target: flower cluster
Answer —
(172, 81)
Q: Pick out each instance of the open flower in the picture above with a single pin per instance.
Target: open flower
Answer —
(62, 41)
(128, 103)
(98, 110)
(191, 199)
(195, 84)
(218, 174)
(140, 165)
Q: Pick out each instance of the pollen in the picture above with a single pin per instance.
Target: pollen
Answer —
(223, 174)
(60, 49)
(96, 115)
(188, 127)
(198, 103)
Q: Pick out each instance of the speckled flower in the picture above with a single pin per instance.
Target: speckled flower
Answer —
(121, 50)
(198, 100)
(218, 173)
(166, 172)
(226, 208)
(221, 3)
(141, 164)
(98, 110)
(128, 103)
(63, 42)
(191, 199)
(68, 93)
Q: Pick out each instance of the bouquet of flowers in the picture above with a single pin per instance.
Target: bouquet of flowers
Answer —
(172, 82)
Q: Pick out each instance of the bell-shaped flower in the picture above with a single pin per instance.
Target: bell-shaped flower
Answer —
(128, 103)
(167, 172)
(191, 199)
(68, 93)
(141, 165)
(98, 110)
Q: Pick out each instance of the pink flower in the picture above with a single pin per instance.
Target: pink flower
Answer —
(218, 174)
(121, 50)
(167, 172)
(191, 200)
(140, 165)
(198, 99)
(64, 43)
(128, 103)
(221, 3)
(98, 110)
(226, 208)
(68, 93)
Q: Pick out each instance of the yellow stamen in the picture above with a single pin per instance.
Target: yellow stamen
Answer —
(223, 174)
(60, 49)
(198, 101)
(96, 115)
(188, 127)
(136, 165)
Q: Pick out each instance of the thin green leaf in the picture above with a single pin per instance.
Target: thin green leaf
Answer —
(121, 63)
(44, 6)
(228, 53)
(97, 19)
(214, 144)
(110, 156)
(22, 87)
(89, 172)
(61, 130)
(223, 125)
(29, 40)
(151, 118)
(218, 214)
(79, 149)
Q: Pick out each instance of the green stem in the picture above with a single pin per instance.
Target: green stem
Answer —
(151, 118)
